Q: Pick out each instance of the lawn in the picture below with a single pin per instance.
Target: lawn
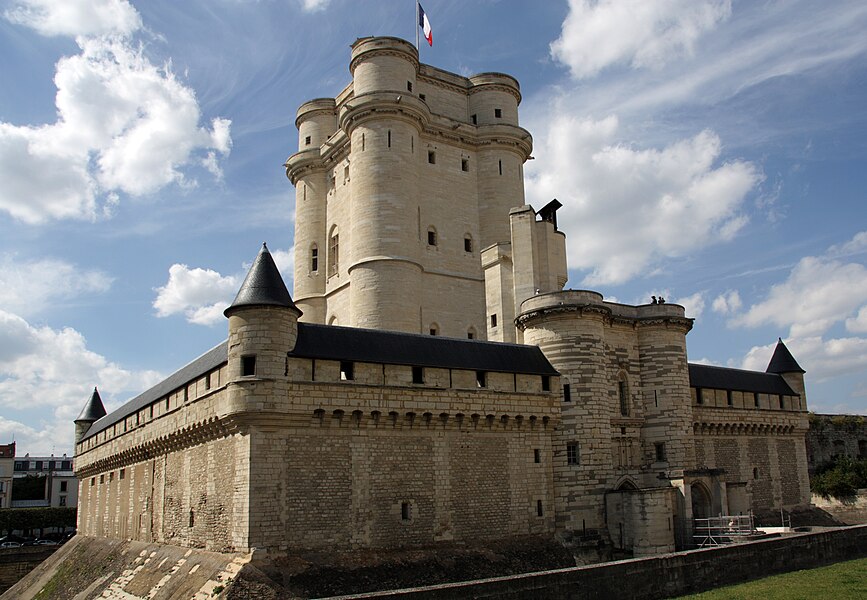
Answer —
(838, 582)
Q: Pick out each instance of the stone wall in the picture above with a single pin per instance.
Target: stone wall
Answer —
(15, 563)
(836, 435)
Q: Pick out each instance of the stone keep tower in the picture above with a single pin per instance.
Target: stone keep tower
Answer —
(401, 181)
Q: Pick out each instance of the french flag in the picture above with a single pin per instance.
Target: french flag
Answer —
(425, 25)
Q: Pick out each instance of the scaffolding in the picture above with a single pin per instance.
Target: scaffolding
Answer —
(724, 529)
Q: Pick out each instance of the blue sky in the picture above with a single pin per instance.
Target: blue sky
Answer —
(712, 152)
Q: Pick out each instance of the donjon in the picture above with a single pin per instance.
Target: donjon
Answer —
(430, 381)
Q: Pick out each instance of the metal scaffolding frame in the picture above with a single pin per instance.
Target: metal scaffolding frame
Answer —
(723, 529)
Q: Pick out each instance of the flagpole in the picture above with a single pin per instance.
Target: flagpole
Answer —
(416, 26)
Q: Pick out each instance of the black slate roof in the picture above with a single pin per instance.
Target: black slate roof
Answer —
(329, 342)
(93, 409)
(263, 285)
(723, 378)
(782, 361)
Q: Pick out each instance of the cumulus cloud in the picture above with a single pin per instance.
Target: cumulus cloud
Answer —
(54, 370)
(201, 295)
(123, 123)
(727, 303)
(693, 305)
(599, 34)
(314, 5)
(628, 208)
(826, 358)
(30, 286)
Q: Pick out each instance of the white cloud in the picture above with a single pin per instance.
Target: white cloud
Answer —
(693, 305)
(27, 287)
(123, 123)
(76, 17)
(55, 371)
(627, 208)
(822, 358)
(201, 295)
(597, 35)
(727, 303)
(858, 323)
(314, 5)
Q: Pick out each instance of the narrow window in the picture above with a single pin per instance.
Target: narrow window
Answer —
(755, 399)
(345, 174)
(537, 455)
(465, 165)
(474, 119)
(623, 392)
(538, 508)
(498, 113)
(346, 370)
(192, 518)
(422, 97)
(434, 329)
(362, 142)
(659, 447)
(123, 474)
(186, 396)
(248, 365)
(405, 512)
(152, 411)
(314, 259)
(656, 398)
(494, 320)
(468, 244)
(729, 397)
(572, 456)
(333, 252)
(92, 481)
(755, 472)
(409, 86)
(698, 396)
(546, 383)
(389, 138)
(431, 157)
(111, 477)
(167, 404)
(481, 379)
(567, 393)
(307, 141)
(63, 486)
(782, 404)
(500, 163)
(208, 381)
(431, 237)
(62, 500)
(418, 374)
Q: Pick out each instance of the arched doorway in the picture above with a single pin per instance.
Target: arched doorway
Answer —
(701, 505)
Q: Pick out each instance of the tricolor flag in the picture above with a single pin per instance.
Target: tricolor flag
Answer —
(425, 25)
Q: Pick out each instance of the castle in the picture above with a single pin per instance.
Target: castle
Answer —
(429, 380)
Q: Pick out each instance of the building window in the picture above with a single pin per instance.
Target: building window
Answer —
(498, 113)
(494, 320)
(538, 508)
(481, 379)
(567, 393)
(782, 404)
(333, 252)
(698, 396)
(431, 236)
(314, 258)
(422, 97)
(471, 333)
(38, 465)
(62, 500)
(389, 138)
(405, 511)
(729, 397)
(92, 481)
(192, 518)
(572, 455)
(347, 370)
(63, 486)
(307, 141)
(431, 157)
(465, 165)
(546, 383)
(468, 243)
(659, 447)
(755, 399)
(409, 86)
(418, 374)
(207, 382)
(474, 119)
(123, 474)
(434, 329)
(500, 166)
(623, 393)
(537, 455)
(248, 365)
(755, 472)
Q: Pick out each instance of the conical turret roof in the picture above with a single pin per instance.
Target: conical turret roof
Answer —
(782, 361)
(93, 410)
(263, 285)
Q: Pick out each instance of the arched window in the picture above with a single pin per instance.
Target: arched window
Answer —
(314, 258)
(471, 333)
(623, 394)
(434, 329)
(333, 251)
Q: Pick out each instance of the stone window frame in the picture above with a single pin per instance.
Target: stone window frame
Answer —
(333, 251)
(660, 453)
(314, 258)
(573, 453)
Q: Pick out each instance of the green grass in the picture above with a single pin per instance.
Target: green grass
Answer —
(838, 582)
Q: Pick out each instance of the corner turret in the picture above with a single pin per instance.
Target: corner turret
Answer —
(784, 364)
(93, 411)
(263, 323)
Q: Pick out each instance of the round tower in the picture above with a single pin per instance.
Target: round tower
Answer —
(493, 107)
(93, 411)
(263, 324)
(569, 329)
(316, 121)
(384, 122)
